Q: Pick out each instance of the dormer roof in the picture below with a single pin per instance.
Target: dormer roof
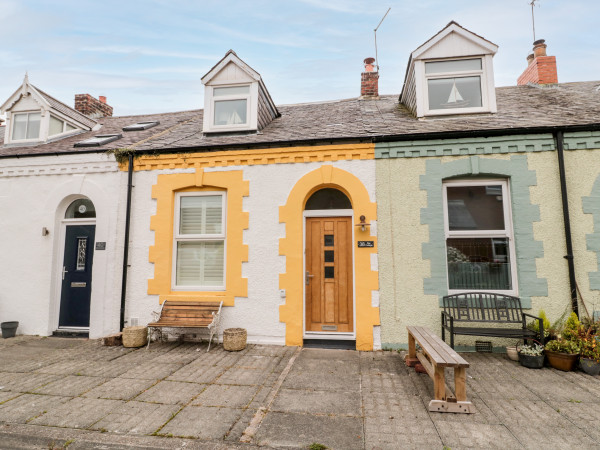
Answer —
(452, 43)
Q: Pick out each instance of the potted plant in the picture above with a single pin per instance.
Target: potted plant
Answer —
(562, 353)
(590, 351)
(512, 353)
(9, 329)
(535, 325)
(531, 356)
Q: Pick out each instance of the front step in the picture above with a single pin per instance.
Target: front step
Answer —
(70, 334)
(330, 344)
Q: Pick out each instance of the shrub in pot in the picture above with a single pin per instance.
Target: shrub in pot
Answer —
(562, 353)
(590, 351)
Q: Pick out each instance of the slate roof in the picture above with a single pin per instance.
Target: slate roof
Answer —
(519, 108)
(67, 110)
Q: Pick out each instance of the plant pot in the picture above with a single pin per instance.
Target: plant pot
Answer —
(590, 366)
(562, 361)
(512, 353)
(234, 339)
(531, 361)
(9, 329)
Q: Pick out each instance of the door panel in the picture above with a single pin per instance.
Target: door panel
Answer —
(329, 293)
(77, 276)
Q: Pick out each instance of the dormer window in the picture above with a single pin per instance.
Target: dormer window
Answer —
(26, 126)
(454, 84)
(230, 105)
(451, 73)
(235, 98)
(58, 126)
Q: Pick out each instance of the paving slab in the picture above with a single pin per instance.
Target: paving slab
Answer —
(202, 422)
(171, 393)
(394, 406)
(267, 363)
(311, 378)
(302, 430)
(197, 373)
(5, 396)
(151, 371)
(70, 386)
(318, 402)
(66, 367)
(398, 433)
(469, 435)
(246, 377)
(25, 382)
(585, 416)
(270, 350)
(120, 389)
(78, 413)
(226, 396)
(329, 354)
(28, 406)
(136, 418)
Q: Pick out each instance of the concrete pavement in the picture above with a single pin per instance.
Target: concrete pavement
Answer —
(56, 392)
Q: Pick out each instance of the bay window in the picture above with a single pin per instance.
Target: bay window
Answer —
(479, 242)
(199, 241)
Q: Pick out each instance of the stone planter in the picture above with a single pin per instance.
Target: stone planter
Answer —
(9, 329)
(234, 339)
(512, 353)
(590, 366)
(531, 361)
(562, 361)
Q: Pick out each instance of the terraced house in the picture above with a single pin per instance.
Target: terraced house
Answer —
(336, 221)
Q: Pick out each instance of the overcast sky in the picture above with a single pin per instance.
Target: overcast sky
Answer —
(148, 56)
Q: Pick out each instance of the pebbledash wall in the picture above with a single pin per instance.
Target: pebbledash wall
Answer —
(412, 265)
(35, 193)
(264, 233)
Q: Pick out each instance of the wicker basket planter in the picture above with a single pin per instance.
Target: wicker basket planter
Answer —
(234, 339)
(135, 336)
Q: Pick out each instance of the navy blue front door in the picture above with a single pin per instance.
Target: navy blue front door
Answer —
(77, 276)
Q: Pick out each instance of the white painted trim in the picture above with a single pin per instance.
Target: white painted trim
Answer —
(199, 238)
(230, 57)
(327, 213)
(453, 28)
(507, 233)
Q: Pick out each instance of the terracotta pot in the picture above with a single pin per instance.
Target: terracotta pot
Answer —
(562, 361)
(590, 366)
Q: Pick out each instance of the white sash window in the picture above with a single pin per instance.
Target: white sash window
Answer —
(199, 241)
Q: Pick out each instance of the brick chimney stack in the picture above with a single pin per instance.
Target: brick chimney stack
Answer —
(541, 68)
(369, 83)
(91, 107)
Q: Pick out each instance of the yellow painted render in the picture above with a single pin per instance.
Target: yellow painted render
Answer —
(366, 280)
(161, 253)
(303, 154)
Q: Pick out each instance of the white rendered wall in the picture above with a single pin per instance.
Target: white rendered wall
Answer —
(34, 193)
(270, 186)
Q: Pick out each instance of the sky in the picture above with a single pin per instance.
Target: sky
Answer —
(149, 56)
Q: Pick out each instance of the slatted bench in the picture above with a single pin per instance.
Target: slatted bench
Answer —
(188, 314)
(435, 356)
(484, 307)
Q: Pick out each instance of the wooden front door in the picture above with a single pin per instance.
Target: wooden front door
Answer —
(328, 274)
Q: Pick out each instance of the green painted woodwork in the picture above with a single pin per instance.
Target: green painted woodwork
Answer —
(485, 146)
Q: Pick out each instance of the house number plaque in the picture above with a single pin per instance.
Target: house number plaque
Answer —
(100, 245)
(362, 244)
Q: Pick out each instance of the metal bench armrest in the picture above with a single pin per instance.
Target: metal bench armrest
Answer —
(540, 325)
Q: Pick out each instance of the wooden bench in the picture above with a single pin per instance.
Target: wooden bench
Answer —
(187, 314)
(483, 307)
(435, 356)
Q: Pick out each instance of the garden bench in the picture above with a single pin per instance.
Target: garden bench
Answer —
(435, 356)
(188, 314)
(488, 308)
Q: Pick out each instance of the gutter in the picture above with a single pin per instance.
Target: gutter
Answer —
(559, 137)
(126, 243)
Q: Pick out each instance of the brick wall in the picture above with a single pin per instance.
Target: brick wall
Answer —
(369, 84)
(91, 107)
(542, 70)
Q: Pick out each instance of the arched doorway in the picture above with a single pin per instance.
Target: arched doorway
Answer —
(329, 283)
(76, 273)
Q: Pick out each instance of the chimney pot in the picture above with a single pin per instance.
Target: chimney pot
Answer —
(102, 98)
(369, 67)
(530, 58)
(369, 80)
(539, 48)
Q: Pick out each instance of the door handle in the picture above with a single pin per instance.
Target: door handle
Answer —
(308, 277)
(63, 272)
